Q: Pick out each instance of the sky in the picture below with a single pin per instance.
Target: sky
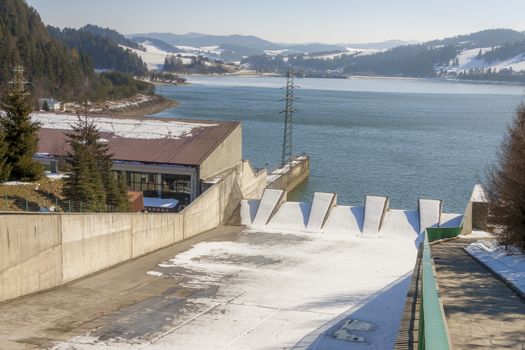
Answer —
(291, 21)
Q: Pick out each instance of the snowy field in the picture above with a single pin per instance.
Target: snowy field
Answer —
(261, 290)
(508, 264)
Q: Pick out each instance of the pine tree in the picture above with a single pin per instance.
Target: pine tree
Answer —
(5, 169)
(506, 185)
(123, 204)
(92, 181)
(21, 134)
(85, 184)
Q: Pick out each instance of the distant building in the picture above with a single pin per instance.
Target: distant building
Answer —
(163, 158)
(48, 104)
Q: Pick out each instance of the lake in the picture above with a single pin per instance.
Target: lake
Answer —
(404, 138)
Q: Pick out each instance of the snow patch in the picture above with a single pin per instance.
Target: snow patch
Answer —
(126, 128)
(508, 264)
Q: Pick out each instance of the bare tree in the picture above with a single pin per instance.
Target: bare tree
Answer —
(506, 185)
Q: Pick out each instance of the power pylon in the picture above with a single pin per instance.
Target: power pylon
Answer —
(18, 80)
(288, 119)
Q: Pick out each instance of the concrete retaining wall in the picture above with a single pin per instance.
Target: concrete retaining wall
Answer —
(42, 251)
(290, 177)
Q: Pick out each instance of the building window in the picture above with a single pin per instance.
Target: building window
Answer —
(170, 186)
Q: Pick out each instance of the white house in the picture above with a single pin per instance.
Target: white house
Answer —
(52, 105)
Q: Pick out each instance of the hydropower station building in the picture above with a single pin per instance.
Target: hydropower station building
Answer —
(163, 158)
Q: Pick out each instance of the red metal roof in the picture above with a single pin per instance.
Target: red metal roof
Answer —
(187, 150)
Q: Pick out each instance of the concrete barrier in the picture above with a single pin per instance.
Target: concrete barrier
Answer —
(322, 205)
(270, 202)
(429, 213)
(375, 210)
(39, 251)
(291, 175)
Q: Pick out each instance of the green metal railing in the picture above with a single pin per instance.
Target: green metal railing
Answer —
(437, 233)
(433, 332)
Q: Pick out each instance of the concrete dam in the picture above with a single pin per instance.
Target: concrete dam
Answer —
(323, 215)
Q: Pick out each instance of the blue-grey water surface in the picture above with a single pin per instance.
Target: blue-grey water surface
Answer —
(401, 138)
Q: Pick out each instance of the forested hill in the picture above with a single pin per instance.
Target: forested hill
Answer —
(496, 52)
(105, 53)
(110, 34)
(51, 67)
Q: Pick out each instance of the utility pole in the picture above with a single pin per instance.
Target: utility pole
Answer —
(288, 119)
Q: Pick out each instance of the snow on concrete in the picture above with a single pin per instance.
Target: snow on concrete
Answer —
(508, 264)
(345, 220)
(429, 213)
(321, 205)
(478, 194)
(271, 290)
(269, 201)
(476, 234)
(248, 211)
(449, 220)
(400, 224)
(291, 217)
(375, 321)
(126, 128)
(375, 207)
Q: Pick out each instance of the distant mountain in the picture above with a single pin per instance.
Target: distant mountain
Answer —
(203, 40)
(233, 48)
(486, 55)
(382, 45)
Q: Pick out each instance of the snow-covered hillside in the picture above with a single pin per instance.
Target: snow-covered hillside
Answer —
(154, 57)
(469, 59)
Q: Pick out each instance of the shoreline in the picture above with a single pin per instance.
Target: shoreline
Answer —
(250, 74)
(154, 106)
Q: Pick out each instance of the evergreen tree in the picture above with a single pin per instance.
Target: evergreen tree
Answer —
(122, 204)
(5, 169)
(506, 185)
(21, 134)
(92, 180)
(85, 184)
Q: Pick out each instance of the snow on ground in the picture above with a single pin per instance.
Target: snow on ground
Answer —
(127, 128)
(477, 234)
(153, 57)
(467, 60)
(508, 264)
(258, 290)
(16, 183)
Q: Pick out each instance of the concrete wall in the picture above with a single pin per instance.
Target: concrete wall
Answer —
(290, 179)
(476, 212)
(41, 251)
(227, 155)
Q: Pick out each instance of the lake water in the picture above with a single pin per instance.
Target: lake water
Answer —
(397, 137)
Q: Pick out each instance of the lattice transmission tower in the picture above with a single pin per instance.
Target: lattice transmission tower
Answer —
(18, 81)
(288, 119)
